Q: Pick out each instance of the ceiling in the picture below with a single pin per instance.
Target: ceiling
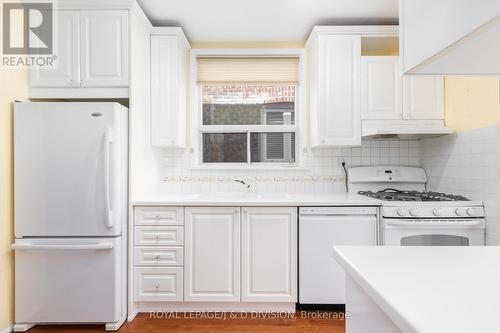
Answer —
(264, 20)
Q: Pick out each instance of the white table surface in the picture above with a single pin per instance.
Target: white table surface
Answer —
(218, 199)
(430, 289)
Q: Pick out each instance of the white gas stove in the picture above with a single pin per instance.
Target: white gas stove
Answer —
(410, 215)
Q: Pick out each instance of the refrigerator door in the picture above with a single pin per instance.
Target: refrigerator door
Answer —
(68, 280)
(68, 169)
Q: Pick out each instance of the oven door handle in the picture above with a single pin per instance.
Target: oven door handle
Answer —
(467, 223)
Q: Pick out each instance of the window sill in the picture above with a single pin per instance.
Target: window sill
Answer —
(218, 166)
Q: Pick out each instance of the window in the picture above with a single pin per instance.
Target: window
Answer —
(248, 110)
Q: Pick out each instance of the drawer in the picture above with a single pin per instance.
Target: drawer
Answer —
(159, 216)
(158, 284)
(173, 235)
(158, 256)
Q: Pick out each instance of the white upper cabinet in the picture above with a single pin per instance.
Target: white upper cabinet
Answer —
(387, 95)
(269, 254)
(91, 51)
(212, 254)
(168, 88)
(450, 37)
(66, 48)
(381, 88)
(423, 97)
(335, 89)
(104, 48)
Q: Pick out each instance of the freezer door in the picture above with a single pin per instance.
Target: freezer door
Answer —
(68, 280)
(68, 160)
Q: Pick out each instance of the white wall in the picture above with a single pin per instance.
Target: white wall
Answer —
(466, 163)
(321, 172)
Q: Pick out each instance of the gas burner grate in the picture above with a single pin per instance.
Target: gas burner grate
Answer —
(391, 194)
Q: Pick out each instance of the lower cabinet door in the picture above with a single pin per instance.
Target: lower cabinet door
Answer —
(269, 254)
(158, 284)
(212, 254)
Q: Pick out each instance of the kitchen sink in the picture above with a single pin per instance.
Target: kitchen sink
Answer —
(242, 196)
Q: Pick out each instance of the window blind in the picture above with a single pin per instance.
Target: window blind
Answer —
(248, 70)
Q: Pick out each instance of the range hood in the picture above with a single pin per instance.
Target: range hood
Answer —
(450, 37)
(411, 132)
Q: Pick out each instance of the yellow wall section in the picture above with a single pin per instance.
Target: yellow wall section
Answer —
(472, 102)
(13, 86)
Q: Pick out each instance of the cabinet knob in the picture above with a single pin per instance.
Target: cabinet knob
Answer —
(157, 258)
(157, 286)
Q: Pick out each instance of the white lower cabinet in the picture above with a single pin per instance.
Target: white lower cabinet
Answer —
(158, 254)
(158, 284)
(212, 254)
(268, 254)
(215, 254)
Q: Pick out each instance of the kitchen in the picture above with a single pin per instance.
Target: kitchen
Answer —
(212, 168)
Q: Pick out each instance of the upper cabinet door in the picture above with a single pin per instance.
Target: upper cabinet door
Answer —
(269, 254)
(66, 70)
(381, 88)
(212, 254)
(168, 110)
(335, 110)
(104, 46)
(423, 97)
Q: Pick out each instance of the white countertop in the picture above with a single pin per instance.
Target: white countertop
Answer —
(430, 289)
(256, 199)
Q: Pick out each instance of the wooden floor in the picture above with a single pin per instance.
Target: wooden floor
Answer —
(302, 322)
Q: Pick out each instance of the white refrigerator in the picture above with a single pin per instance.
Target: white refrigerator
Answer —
(70, 191)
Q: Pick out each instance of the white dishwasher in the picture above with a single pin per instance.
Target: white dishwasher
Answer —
(321, 279)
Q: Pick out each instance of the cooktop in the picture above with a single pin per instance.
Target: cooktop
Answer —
(391, 194)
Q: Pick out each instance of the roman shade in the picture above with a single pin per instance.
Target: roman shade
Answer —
(248, 70)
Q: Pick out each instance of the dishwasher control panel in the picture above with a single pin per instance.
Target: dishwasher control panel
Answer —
(355, 210)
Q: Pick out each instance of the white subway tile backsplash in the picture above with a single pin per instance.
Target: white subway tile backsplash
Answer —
(321, 172)
(465, 163)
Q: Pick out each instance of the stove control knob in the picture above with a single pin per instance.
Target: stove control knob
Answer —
(460, 212)
(471, 212)
(401, 212)
(436, 212)
(413, 212)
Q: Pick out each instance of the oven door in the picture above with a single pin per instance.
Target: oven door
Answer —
(428, 232)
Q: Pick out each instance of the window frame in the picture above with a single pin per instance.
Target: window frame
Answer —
(196, 108)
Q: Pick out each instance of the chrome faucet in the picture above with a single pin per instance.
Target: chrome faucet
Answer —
(248, 186)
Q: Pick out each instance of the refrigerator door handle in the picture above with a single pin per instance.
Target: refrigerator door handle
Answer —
(108, 140)
(94, 246)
